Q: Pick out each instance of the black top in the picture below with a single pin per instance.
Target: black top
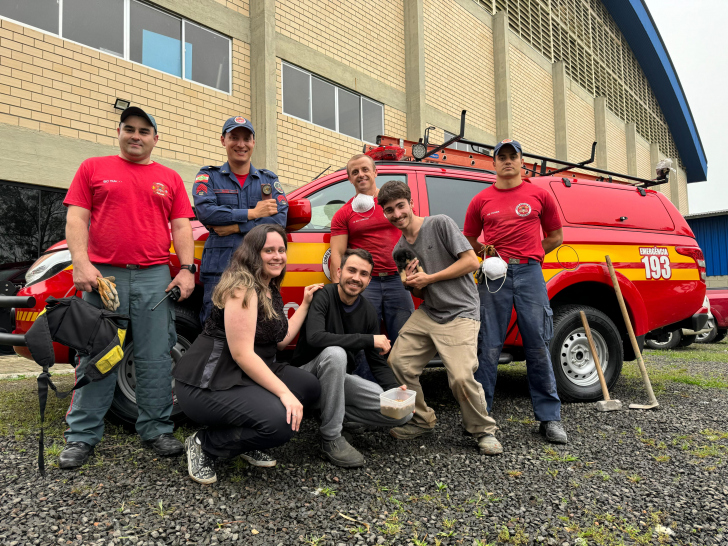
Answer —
(329, 325)
(208, 363)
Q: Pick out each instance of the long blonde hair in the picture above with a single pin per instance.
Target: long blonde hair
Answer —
(245, 271)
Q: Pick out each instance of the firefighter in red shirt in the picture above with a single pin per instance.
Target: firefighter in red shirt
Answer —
(511, 214)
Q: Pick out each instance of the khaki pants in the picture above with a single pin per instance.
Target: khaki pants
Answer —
(456, 341)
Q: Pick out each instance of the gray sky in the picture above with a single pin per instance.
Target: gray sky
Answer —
(694, 34)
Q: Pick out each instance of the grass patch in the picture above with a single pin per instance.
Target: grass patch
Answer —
(19, 414)
(671, 373)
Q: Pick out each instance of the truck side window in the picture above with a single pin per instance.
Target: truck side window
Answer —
(328, 200)
(451, 196)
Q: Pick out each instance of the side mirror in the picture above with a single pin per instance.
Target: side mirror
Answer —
(299, 214)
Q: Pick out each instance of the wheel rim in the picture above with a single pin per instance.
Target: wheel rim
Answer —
(126, 379)
(702, 337)
(662, 339)
(576, 358)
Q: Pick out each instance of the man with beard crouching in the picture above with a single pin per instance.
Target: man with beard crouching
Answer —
(340, 323)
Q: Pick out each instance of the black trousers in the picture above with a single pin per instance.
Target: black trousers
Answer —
(244, 418)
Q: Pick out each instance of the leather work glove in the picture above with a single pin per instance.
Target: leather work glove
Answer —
(108, 293)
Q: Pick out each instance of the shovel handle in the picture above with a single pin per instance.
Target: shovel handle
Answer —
(630, 331)
(593, 350)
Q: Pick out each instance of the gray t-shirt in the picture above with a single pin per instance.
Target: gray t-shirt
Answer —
(437, 246)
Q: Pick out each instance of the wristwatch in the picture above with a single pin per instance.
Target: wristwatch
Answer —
(192, 268)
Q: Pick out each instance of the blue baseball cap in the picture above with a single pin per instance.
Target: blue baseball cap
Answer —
(508, 142)
(235, 122)
(136, 111)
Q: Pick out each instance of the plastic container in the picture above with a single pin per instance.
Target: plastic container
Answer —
(396, 403)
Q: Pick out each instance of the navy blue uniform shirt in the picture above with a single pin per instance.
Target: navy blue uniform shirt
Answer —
(220, 201)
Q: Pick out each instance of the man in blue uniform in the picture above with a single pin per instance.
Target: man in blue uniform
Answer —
(231, 200)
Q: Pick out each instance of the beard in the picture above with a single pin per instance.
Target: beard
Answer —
(352, 289)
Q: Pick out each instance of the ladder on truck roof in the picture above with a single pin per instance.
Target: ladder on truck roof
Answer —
(480, 158)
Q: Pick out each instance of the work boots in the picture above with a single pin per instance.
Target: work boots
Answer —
(341, 453)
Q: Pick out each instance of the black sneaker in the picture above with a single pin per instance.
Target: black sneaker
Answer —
(553, 431)
(165, 445)
(199, 463)
(75, 454)
(259, 458)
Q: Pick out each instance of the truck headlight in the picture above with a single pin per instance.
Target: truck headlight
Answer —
(48, 265)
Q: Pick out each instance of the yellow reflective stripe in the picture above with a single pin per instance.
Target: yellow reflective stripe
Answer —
(306, 253)
(304, 279)
(618, 253)
(110, 359)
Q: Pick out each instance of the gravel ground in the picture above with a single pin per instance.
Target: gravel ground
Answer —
(626, 477)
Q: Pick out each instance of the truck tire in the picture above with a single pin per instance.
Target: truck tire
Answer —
(687, 341)
(123, 410)
(708, 337)
(574, 367)
(720, 336)
(663, 341)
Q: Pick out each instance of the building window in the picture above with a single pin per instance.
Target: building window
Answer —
(459, 145)
(134, 31)
(312, 99)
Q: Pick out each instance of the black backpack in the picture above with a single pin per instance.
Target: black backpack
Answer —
(91, 331)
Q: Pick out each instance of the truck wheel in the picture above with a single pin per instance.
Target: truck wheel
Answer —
(686, 341)
(123, 410)
(720, 336)
(708, 337)
(663, 341)
(574, 366)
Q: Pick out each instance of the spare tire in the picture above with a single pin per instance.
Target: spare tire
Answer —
(571, 357)
(663, 341)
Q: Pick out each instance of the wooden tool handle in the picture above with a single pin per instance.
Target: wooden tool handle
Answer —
(602, 381)
(630, 331)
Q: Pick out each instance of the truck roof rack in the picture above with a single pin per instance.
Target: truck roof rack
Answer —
(480, 156)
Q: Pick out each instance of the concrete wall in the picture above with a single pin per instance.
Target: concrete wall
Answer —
(720, 281)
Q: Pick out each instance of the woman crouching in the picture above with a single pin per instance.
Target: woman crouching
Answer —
(229, 379)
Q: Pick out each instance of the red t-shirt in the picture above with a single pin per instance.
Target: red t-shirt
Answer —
(241, 179)
(369, 230)
(512, 219)
(131, 206)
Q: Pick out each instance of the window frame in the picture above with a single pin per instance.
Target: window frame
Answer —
(337, 87)
(450, 175)
(127, 46)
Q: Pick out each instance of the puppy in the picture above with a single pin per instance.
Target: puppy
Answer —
(402, 259)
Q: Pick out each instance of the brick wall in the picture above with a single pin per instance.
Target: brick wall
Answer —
(305, 149)
(616, 147)
(580, 116)
(532, 104)
(459, 63)
(644, 169)
(395, 122)
(241, 6)
(58, 87)
(367, 35)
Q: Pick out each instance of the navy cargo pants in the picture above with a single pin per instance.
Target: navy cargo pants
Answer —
(524, 289)
(154, 336)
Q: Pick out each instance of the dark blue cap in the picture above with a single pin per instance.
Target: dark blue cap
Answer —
(235, 122)
(507, 142)
(136, 111)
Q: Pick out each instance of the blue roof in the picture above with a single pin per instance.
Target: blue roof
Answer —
(638, 28)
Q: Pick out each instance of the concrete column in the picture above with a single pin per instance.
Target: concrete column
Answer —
(501, 54)
(674, 184)
(560, 110)
(654, 158)
(631, 133)
(600, 130)
(263, 103)
(414, 67)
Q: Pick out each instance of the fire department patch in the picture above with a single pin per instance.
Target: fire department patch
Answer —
(160, 189)
(506, 140)
(202, 178)
(240, 120)
(277, 186)
(201, 189)
(523, 209)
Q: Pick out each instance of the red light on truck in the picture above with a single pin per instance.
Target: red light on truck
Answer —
(696, 254)
(386, 153)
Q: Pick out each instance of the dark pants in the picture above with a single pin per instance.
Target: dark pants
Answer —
(244, 418)
(524, 289)
(393, 304)
(209, 282)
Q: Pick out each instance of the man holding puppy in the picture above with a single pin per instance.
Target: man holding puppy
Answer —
(339, 324)
(446, 323)
(512, 214)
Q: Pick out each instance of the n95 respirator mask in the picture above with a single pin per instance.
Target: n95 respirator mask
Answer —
(494, 268)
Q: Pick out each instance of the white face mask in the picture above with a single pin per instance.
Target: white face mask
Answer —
(362, 203)
(494, 268)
